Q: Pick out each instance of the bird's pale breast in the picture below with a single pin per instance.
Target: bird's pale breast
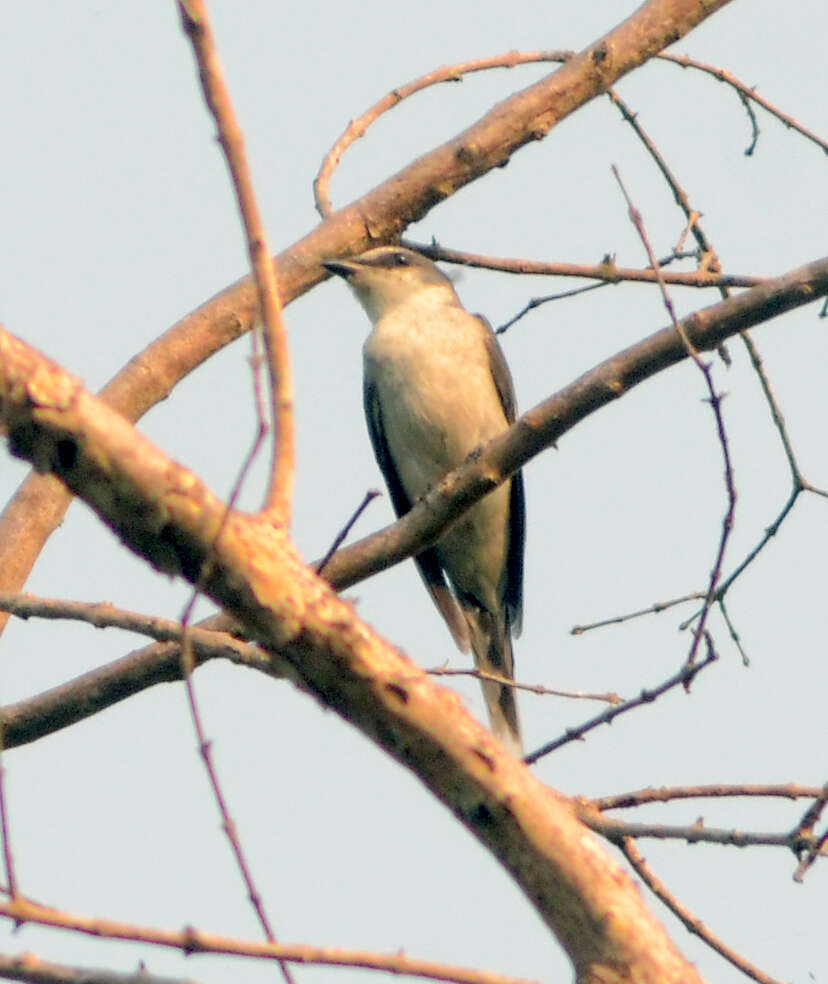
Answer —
(439, 403)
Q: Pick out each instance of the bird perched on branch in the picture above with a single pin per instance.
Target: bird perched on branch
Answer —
(436, 388)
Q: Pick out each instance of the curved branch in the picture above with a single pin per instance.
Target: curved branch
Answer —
(747, 94)
(163, 513)
(539, 428)
(448, 73)
(379, 216)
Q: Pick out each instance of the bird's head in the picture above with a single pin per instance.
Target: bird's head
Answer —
(388, 276)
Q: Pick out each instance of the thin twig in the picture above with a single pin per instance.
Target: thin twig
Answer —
(228, 824)
(8, 858)
(204, 748)
(30, 968)
(797, 477)
(607, 271)
(691, 922)
(746, 93)
(715, 401)
(711, 262)
(654, 609)
(667, 794)
(812, 852)
(735, 638)
(197, 27)
(775, 409)
(454, 73)
(532, 688)
(683, 677)
(811, 816)
(798, 485)
(191, 940)
(693, 833)
(187, 659)
(278, 501)
(754, 124)
(708, 259)
(535, 302)
(610, 274)
(339, 539)
(448, 73)
(805, 828)
(103, 615)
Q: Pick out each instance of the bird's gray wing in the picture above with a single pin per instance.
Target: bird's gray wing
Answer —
(427, 562)
(513, 595)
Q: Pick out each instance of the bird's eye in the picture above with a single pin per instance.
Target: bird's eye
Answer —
(401, 259)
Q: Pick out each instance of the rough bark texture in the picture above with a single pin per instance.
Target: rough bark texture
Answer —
(161, 511)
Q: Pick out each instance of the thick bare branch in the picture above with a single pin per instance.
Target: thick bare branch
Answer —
(377, 217)
(536, 430)
(166, 515)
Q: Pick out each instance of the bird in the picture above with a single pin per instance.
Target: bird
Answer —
(436, 387)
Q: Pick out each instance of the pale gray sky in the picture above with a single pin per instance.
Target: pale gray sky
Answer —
(117, 218)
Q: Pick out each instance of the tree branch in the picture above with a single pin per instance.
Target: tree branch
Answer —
(162, 512)
(191, 941)
(92, 692)
(379, 216)
(666, 794)
(31, 719)
(197, 27)
(543, 425)
(30, 968)
(691, 922)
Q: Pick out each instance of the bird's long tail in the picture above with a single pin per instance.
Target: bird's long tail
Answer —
(492, 647)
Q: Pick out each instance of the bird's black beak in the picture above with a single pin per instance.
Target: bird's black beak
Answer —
(342, 268)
